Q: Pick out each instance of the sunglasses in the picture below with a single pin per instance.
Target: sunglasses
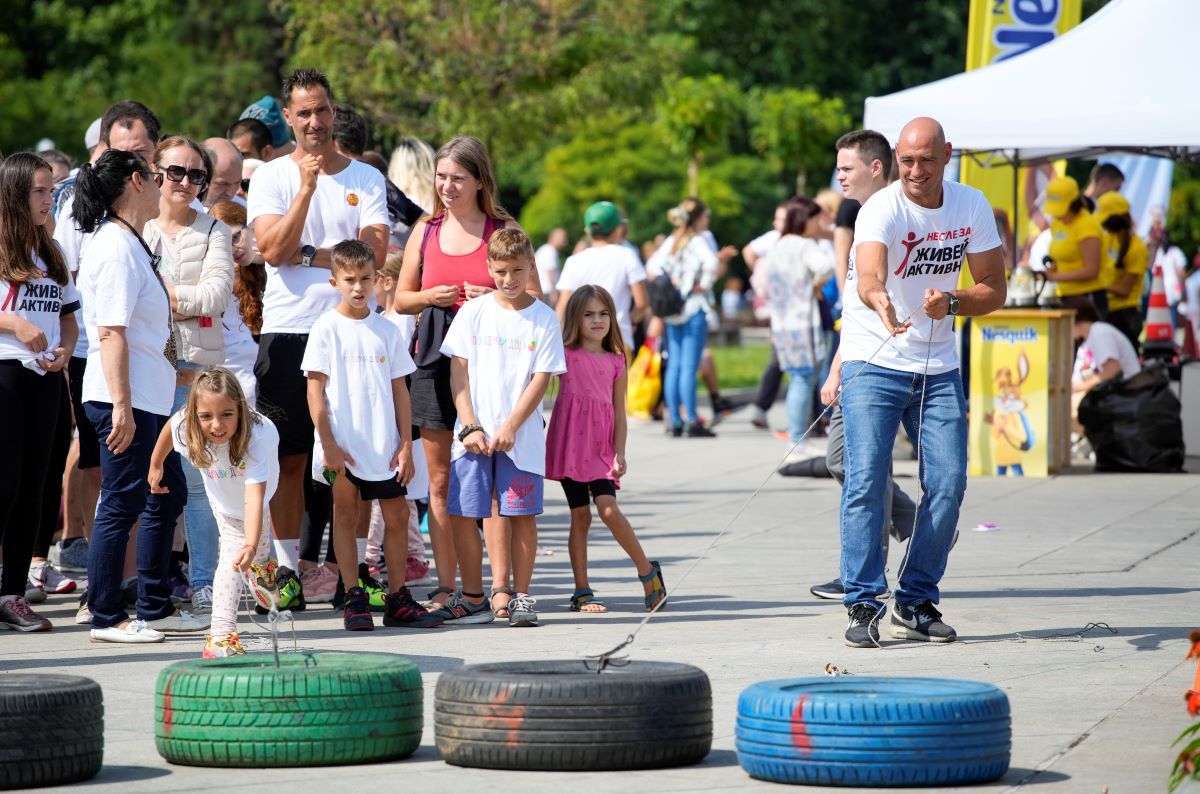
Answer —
(245, 185)
(156, 176)
(176, 173)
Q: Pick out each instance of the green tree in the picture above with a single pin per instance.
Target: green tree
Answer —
(796, 130)
(194, 63)
(700, 114)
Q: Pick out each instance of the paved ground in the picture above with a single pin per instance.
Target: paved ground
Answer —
(1089, 712)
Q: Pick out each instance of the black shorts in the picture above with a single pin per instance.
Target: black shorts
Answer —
(369, 490)
(432, 401)
(89, 444)
(577, 492)
(283, 390)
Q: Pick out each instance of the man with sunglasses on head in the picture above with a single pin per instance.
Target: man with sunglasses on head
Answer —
(226, 168)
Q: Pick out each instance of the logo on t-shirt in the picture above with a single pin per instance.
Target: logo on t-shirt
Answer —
(352, 199)
(45, 298)
(931, 255)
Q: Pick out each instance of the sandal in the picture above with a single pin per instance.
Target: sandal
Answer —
(502, 612)
(586, 601)
(434, 593)
(658, 594)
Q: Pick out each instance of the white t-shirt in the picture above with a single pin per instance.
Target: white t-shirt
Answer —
(224, 483)
(344, 203)
(503, 349)
(70, 239)
(546, 258)
(613, 267)
(241, 351)
(1104, 343)
(418, 486)
(41, 301)
(762, 244)
(118, 289)
(1173, 262)
(361, 359)
(927, 248)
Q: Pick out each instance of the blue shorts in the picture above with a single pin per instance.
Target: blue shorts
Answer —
(474, 478)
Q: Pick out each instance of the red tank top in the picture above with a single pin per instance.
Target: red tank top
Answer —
(442, 269)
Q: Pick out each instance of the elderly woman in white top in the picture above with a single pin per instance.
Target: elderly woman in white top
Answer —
(689, 260)
(791, 275)
(128, 389)
(197, 269)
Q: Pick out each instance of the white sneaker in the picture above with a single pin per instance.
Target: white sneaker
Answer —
(137, 631)
(202, 601)
(83, 617)
(45, 575)
(181, 622)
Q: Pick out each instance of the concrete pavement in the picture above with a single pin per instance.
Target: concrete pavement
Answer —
(1091, 709)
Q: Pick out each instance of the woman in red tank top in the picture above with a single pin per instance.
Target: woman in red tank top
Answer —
(445, 265)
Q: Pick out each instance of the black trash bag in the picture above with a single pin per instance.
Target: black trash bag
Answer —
(1134, 424)
(811, 467)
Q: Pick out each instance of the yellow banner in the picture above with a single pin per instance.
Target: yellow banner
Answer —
(1010, 418)
(998, 30)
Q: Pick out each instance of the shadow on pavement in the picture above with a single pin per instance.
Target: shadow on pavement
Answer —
(113, 773)
(1031, 777)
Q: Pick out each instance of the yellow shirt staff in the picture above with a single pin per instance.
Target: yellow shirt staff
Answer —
(1075, 242)
(1122, 253)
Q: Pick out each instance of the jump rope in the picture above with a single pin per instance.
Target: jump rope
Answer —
(602, 660)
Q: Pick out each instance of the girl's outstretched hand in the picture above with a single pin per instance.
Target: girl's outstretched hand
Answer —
(618, 467)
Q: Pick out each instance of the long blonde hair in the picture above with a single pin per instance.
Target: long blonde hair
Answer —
(222, 382)
(469, 152)
(684, 218)
(411, 169)
(613, 342)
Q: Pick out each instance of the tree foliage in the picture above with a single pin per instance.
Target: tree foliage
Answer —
(796, 129)
(699, 115)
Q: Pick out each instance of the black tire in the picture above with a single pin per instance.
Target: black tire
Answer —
(317, 709)
(51, 730)
(873, 731)
(562, 716)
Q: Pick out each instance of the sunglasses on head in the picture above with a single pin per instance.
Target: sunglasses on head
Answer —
(176, 173)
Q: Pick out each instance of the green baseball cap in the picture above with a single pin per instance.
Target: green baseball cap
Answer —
(604, 215)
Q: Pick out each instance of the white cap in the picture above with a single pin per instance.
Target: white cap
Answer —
(91, 138)
(44, 144)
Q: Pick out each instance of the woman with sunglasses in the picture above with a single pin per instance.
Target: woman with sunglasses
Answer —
(197, 268)
(128, 390)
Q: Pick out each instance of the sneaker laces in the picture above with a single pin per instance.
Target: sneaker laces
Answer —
(21, 608)
(203, 597)
(863, 613)
(927, 610)
(521, 602)
(136, 626)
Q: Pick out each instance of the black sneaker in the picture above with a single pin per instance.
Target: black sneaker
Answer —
(291, 593)
(698, 430)
(376, 591)
(339, 595)
(863, 631)
(405, 613)
(356, 616)
(921, 621)
(830, 590)
(673, 431)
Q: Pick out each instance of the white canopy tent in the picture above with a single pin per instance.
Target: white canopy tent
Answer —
(1123, 80)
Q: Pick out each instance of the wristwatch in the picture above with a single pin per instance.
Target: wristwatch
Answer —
(953, 303)
(307, 252)
(468, 430)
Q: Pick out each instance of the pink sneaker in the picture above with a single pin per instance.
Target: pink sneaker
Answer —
(319, 584)
(416, 571)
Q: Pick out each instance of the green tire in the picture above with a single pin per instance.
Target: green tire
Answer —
(316, 709)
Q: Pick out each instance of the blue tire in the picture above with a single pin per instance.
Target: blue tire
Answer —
(873, 731)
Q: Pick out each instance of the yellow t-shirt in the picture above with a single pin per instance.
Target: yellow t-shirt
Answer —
(1137, 260)
(1064, 250)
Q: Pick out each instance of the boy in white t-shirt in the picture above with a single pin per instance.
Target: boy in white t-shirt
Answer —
(504, 345)
(355, 363)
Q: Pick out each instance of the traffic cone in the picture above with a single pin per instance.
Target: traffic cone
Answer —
(1159, 331)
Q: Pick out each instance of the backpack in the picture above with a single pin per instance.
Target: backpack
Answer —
(665, 298)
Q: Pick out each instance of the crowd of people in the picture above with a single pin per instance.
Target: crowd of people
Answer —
(266, 359)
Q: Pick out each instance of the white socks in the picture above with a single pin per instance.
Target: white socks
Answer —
(287, 552)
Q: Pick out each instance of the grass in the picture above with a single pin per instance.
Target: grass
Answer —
(740, 367)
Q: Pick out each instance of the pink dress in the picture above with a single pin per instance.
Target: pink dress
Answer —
(579, 443)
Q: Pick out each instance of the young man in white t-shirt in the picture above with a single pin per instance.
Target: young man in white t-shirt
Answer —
(607, 263)
(300, 206)
(504, 347)
(355, 363)
(911, 241)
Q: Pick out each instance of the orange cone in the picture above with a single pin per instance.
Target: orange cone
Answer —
(1159, 332)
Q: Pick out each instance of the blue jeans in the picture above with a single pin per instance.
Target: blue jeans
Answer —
(203, 537)
(801, 382)
(874, 407)
(125, 495)
(685, 346)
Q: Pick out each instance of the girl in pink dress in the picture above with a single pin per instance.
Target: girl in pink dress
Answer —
(585, 445)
